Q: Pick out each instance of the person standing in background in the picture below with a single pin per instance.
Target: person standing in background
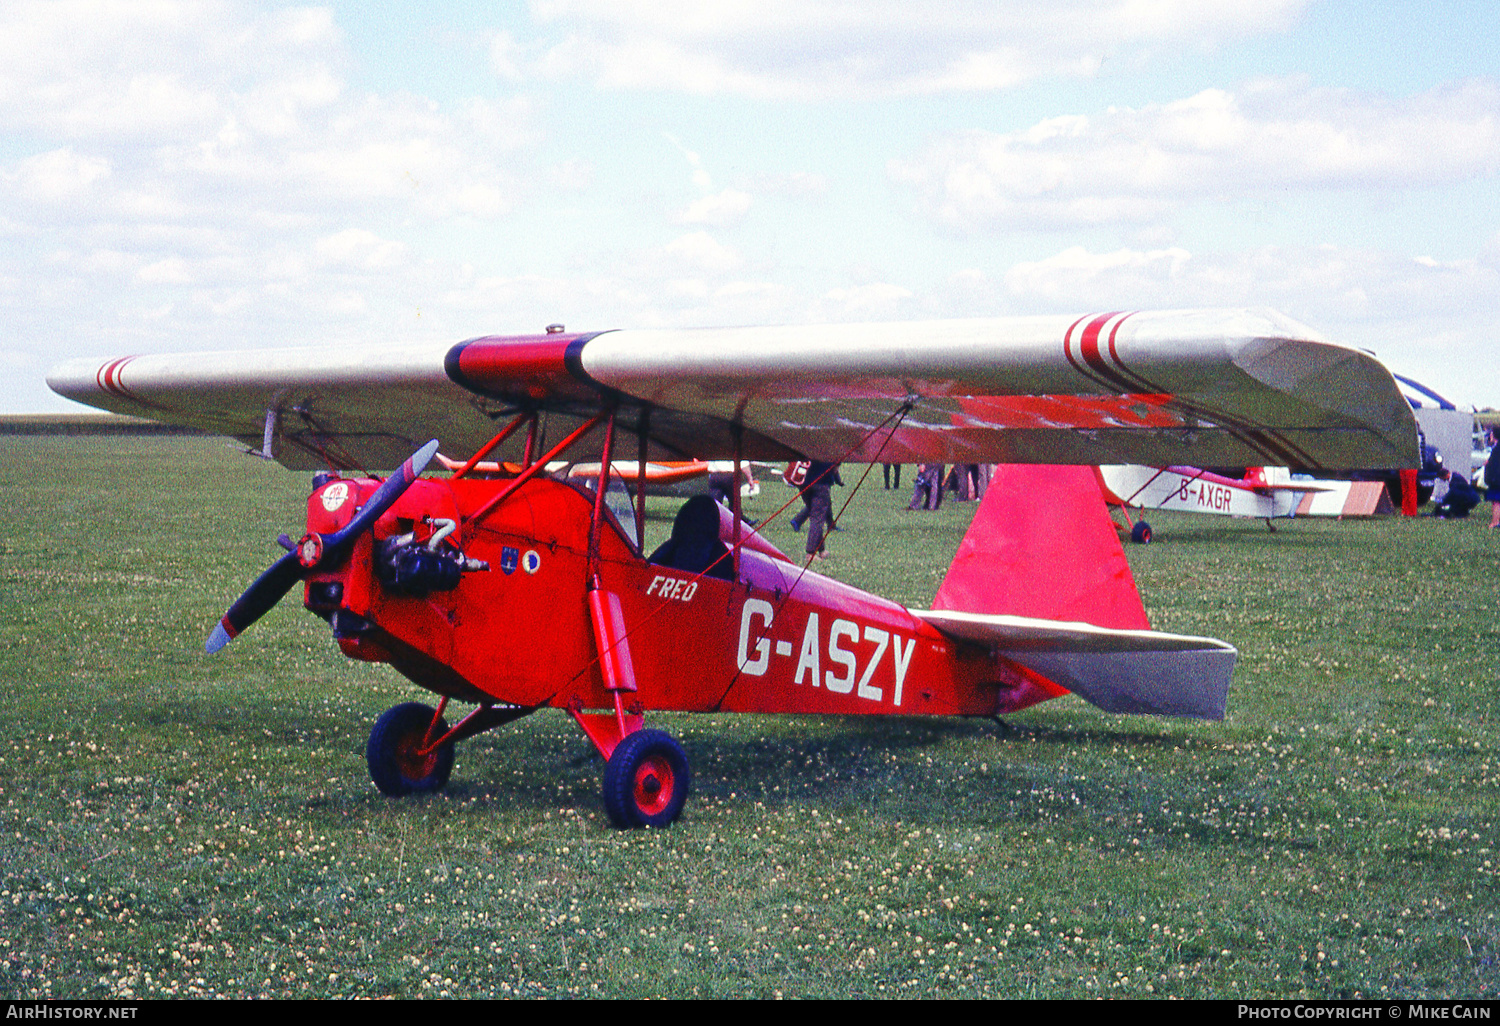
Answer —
(817, 506)
(1492, 478)
(928, 493)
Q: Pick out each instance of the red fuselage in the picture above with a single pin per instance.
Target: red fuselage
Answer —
(779, 639)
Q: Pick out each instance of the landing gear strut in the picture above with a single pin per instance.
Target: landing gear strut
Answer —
(395, 753)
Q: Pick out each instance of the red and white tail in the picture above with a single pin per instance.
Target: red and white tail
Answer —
(1041, 578)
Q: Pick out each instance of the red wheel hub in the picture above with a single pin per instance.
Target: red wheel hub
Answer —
(653, 785)
(409, 758)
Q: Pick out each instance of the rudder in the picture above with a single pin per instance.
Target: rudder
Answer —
(1043, 545)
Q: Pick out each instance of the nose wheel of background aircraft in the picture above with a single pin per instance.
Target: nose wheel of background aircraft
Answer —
(646, 780)
(394, 753)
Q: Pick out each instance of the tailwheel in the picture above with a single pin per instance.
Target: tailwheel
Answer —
(1141, 533)
(394, 753)
(646, 780)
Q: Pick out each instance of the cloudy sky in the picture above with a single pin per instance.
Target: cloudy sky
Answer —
(201, 174)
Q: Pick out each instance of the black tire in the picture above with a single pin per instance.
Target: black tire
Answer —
(646, 781)
(1141, 533)
(392, 756)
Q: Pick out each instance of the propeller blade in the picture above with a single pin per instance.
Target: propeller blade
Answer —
(336, 544)
(270, 587)
(257, 601)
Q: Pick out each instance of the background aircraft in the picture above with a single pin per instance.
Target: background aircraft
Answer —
(1263, 492)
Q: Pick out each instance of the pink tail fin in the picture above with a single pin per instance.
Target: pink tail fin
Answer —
(1042, 544)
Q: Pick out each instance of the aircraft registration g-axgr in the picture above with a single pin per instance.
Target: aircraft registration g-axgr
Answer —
(1263, 493)
(454, 581)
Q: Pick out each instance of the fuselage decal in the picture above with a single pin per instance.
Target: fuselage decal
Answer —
(849, 659)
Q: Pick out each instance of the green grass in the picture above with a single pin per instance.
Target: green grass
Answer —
(173, 824)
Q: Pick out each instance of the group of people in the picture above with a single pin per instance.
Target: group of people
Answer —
(816, 479)
(968, 480)
(1462, 496)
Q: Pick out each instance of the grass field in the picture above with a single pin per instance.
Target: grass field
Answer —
(175, 824)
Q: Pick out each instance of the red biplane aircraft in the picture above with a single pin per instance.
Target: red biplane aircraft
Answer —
(453, 581)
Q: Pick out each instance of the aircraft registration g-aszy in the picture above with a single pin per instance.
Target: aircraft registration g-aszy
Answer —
(522, 593)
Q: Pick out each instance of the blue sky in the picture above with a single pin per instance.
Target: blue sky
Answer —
(197, 175)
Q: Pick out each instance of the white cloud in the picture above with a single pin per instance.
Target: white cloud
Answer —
(717, 209)
(722, 208)
(798, 184)
(357, 249)
(171, 271)
(1127, 165)
(195, 99)
(1321, 284)
(696, 252)
(179, 171)
(1062, 279)
(438, 162)
(872, 301)
(56, 176)
(147, 69)
(506, 57)
(824, 48)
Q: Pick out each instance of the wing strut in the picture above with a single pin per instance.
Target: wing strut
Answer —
(530, 442)
(268, 435)
(643, 429)
(533, 468)
(603, 486)
(738, 431)
(485, 449)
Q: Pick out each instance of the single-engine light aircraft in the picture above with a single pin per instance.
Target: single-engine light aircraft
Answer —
(1261, 492)
(519, 593)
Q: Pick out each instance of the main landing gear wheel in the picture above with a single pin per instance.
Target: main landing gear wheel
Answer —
(1141, 533)
(646, 780)
(393, 752)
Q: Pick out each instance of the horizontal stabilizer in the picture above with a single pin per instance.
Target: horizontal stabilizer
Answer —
(1120, 671)
(1348, 499)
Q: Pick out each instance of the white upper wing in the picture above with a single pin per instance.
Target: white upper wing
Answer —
(1211, 387)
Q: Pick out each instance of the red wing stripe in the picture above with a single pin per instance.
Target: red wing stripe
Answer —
(108, 376)
(1141, 384)
(1079, 361)
(1089, 347)
(1111, 373)
(110, 379)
